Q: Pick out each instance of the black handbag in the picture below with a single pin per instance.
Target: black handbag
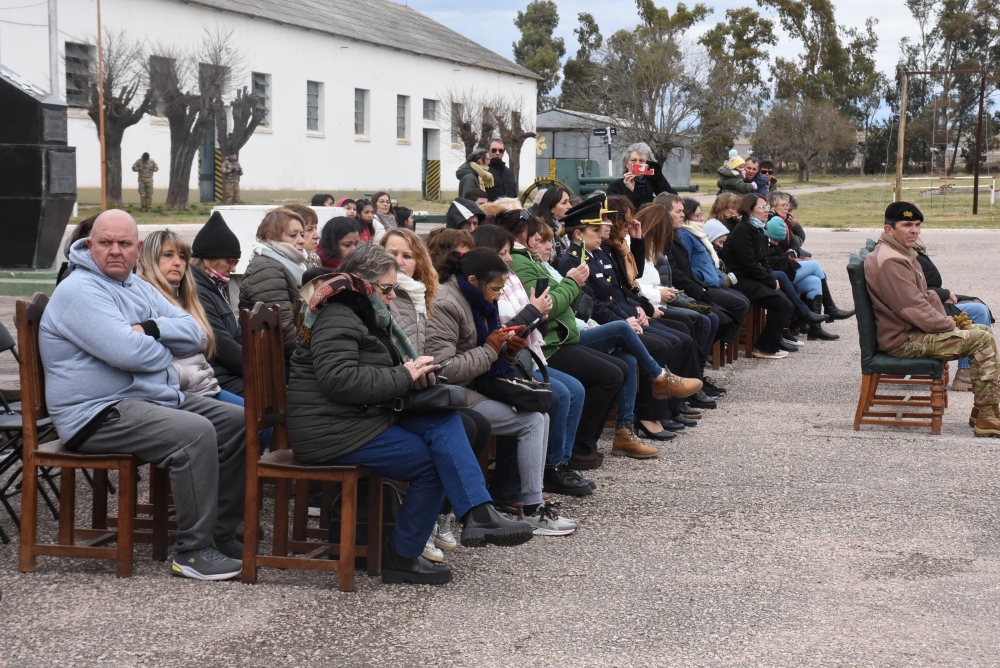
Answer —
(583, 307)
(523, 393)
(432, 398)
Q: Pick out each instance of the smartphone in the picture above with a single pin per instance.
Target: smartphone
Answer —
(541, 285)
(642, 169)
(529, 328)
(512, 328)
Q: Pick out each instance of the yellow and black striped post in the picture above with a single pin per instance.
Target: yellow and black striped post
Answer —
(218, 175)
(432, 189)
(552, 168)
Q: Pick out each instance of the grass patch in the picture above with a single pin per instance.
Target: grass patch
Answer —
(865, 207)
(786, 181)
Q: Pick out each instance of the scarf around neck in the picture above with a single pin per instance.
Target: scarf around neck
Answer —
(696, 229)
(887, 239)
(416, 290)
(625, 253)
(290, 257)
(487, 319)
(485, 178)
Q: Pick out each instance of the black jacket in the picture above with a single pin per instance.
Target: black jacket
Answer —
(680, 271)
(745, 254)
(504, 184)
(227, 362)
(613, 300)
(645, 190)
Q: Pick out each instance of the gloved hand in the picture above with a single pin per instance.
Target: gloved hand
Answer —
(515, 345)
(496, 339)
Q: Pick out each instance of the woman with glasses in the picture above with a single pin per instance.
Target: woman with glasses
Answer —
(745, 255)
(465, 336)
(384, 210)
(351, 364)
(214, 255)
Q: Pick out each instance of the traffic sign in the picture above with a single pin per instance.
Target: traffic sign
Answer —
(614, 131)
(600, 132)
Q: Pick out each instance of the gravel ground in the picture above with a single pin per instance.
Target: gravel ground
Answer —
(771, 535)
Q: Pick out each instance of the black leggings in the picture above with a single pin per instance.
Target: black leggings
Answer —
(602, 377)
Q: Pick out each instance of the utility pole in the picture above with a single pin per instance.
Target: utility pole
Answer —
(898, 192)
(54, 83)
(100, 110)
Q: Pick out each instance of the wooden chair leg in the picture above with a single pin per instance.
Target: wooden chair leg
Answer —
(348, 526)
(282, 492)
(158, 492)
(251, 533)
(99, 511)
(374, 525)
(127, 492)
(29, 515)
(937, 405)
(716, 355)
(863, 399)
(300, 517)
(67, 505)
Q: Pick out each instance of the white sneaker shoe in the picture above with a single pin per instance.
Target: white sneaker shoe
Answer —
(545, 522)
(444, 533)
(431, 553)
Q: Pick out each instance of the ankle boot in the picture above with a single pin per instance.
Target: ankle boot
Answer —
(669, 385)
(627, 444)
(987, 421)
(831, 308)
(962, 381)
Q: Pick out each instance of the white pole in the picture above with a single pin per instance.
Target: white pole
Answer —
(611, 174)
(54, 86)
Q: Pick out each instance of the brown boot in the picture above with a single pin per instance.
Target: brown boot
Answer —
(962, 381)
(988, 421)
(669, 386)
(973, 416)
(628, 444)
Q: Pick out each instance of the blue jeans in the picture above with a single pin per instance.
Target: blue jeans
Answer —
(620, 338)
(788, 289)
(564, 416)
(237, 400)
(979, 314)
(809, 278)
(433, 454)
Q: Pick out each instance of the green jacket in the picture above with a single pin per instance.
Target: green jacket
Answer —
(562, 322)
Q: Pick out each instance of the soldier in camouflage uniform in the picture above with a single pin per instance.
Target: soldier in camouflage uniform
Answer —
(145, 166)
(910, 320)
(231, 173)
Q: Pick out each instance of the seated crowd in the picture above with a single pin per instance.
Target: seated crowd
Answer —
(615, 302)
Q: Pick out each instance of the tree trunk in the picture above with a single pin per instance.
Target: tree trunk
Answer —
(113, 156)
(954, 153)
(181, 158)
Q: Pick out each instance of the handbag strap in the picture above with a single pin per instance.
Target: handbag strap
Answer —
(540, 364)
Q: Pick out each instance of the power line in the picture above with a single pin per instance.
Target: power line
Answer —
(37, 4)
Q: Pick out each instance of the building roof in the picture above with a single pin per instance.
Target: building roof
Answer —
(359, 20)
(569, 119)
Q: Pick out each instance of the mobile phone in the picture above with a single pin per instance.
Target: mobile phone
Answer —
(541, 285)
(512, 328)
(529, 328)
(642, 169)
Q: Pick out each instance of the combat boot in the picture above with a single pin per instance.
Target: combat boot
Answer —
(669, 385)
(987, 421)
(962, 381)
(627, 444)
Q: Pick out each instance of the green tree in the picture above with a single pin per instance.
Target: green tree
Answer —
(581, 72)
(538, 50)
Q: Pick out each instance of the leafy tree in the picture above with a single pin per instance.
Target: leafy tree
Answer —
(538, 50)
(581, 72)
(808, 132)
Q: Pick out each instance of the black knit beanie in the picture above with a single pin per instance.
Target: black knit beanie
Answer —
(215, 240)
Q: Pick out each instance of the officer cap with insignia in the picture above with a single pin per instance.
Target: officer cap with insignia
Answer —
(587, 212)
(898, 211)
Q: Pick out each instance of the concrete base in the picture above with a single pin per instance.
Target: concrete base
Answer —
(26, 282)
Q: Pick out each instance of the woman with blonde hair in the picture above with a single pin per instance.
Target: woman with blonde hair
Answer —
(163, 263)
(417, 283)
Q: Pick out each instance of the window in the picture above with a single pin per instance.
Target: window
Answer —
(402, 109)
(430, 110)
(260, 84)
(161, 76)
(80, 69)
(360, 111)
(456, 122)
(314, 106)
(213, 79)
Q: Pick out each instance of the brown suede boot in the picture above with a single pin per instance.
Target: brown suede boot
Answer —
(962, 381)
(973, 416)
(669, 386)
(628, 444)
(987, 421)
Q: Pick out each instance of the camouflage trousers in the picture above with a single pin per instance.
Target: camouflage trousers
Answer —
(231, 192)
(976, 343)
(146, 193)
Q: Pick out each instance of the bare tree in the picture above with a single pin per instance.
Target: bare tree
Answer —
(247, 115)
(511, 128)
(190, 86)
(475, 118)
(124, 75)
(805, 131)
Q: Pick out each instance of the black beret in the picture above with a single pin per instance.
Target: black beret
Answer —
(215, 240)
(903, 211)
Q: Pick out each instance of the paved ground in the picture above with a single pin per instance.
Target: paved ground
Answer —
(771, 535)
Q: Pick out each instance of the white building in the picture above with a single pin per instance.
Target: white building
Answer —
(355, 89)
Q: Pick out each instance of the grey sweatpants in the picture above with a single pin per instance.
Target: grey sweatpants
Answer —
(532, 432)
(202, 445)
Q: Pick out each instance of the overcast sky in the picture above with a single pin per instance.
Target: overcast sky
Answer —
(492, 23)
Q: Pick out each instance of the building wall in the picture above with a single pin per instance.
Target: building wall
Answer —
(286, 155)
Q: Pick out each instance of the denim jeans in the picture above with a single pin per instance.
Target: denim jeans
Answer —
(789, 290)
(433, 454)
(809, 278)
(235, 399)
(979, 314)
(564, 416)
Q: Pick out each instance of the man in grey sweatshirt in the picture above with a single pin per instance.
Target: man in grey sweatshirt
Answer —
(106, 340)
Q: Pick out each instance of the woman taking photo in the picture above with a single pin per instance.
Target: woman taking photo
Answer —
(352, 363)
(274, 274)
(340, 236)
(643, 177)
(465, 335)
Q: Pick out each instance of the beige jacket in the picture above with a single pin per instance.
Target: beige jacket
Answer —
(451, 335)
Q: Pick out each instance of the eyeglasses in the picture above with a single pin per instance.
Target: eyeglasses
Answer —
(233, 261)
(386, 289)
(761, 208)
(496, 291)
(385, 200)
(497, 150)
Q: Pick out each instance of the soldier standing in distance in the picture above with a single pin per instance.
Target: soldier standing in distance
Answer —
(231, 173)
(145, 166)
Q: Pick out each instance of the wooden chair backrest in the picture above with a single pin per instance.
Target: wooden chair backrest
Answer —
(33, 408)
(264, 375)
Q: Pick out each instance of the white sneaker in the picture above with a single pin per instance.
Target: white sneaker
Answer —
(444, 533)
(545, 522)
(431, 553)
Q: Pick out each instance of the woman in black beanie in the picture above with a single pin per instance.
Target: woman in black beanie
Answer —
(214, 255)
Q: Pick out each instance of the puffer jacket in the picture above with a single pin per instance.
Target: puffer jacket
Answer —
(406, 316)
(451, 335)
(745, 254)
(467, 177)
(266, 280)
(504, 184)
(342, 382)
(196, 375)
(562, 327)
(227, 362)
(732, 181)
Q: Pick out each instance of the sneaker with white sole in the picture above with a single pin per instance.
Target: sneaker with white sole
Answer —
(777, 355)
(444, 533)
(205, 564)
(431, 552)
(545, 522)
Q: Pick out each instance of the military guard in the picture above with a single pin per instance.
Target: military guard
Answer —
(145, 166)
(231, 173)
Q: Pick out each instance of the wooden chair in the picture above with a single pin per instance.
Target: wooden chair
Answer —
(264, 382)
(751, 329)
(53, 454)
(908, 410)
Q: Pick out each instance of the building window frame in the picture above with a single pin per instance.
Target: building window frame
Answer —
(430, 110)
(260, 85)
(314, 107)
(362, 112)
(402, 117)
(81, 67)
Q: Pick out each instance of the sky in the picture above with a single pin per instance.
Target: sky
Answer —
(492, 23)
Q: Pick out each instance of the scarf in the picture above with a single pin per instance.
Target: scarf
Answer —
(383, 320)
(753, 220)
(908, 253)
(485, 178)
(387, 219)
(625, 253)
(513, 300)
(487, 319)
(220, 282)
(416, 290)
(290, 257)
(696, 229)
